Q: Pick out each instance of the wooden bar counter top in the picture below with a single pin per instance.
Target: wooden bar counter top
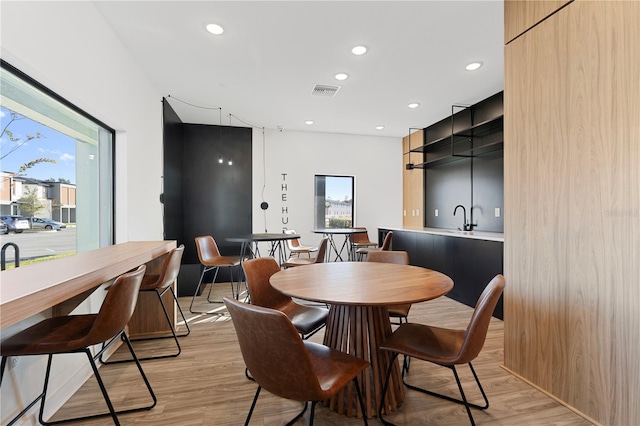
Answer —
(62, 284)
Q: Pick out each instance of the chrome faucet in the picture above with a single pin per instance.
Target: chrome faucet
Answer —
(466, 226)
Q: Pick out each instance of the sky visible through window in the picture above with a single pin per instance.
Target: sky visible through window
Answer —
(51, 144)
(339, 187)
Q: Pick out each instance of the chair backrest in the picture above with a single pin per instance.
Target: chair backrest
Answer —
(476, 332)
(170, 268)
(257, 273)
(291, 243)
(389, 256)
(117, 307)
(273, 351)
(386, 244)
(207, 249)
(322, 250)
(360, 237)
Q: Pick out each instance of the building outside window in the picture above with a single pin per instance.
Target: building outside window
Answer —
(56, 163)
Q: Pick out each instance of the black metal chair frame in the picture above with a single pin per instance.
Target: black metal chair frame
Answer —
(306, 405)
(405, 368)
(92, 358)
(173, 330)
(206, 269)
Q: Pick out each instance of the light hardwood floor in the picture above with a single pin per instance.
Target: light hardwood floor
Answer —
(206, 385)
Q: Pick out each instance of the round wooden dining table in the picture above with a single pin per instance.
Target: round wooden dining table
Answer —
(358, 294)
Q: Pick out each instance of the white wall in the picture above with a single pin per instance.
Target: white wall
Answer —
(376, 163)
(69, 48)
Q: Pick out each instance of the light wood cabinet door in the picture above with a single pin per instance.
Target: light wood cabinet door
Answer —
(521, 15)
(572, 235)
(412, 182)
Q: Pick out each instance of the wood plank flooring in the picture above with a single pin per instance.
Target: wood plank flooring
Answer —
(206, 385)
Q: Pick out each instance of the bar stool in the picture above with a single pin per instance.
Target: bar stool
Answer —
(160, 284)
(77, 334)
(211, 259)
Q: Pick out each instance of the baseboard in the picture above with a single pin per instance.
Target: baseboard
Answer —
(555, 398)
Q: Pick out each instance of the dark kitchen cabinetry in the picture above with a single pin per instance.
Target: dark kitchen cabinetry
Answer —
(470, 131)
(471, 263)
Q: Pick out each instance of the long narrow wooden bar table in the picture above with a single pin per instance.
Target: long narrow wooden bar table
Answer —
(64, 283)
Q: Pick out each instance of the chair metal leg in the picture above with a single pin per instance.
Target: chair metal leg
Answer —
(3, 365)
(253, 405)
(392, 360)
(195, 294)
(174, 335)
(362, 407)
(464, 401)
(112, 412)
(197, 290)
(301, 413)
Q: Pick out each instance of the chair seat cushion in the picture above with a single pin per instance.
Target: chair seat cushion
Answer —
(298, 262)
(305, 318)
(396, 311)
(334, 368)
(52, 335)
(224, 261)
(433, 344)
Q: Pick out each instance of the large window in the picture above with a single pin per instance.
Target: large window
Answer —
(334, 201)
(56, 166)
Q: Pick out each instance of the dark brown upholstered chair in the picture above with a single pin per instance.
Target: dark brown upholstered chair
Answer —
(322, 251)
(386, 245)
(295, 248)
(446, 347)
(270, 346)
(160, 284)
(77, 334)
(211, 259)
(306, 319)
(401, 258)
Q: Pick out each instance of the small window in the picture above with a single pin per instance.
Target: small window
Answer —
(334, 201)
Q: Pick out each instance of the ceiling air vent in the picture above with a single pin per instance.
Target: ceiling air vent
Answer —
(323, 90)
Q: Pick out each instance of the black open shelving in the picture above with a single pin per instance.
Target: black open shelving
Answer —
(473, 131)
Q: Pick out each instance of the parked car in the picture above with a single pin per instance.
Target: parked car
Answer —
(15, 223)
(4, 229)
(45, 223)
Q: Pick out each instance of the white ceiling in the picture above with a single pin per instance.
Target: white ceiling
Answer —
(263, 68)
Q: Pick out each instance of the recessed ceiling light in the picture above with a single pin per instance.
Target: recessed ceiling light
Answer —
(341, 76)
(379, 127)
(215, 29)
(309, 122)
(413, 105)
(359, 50)
(473, 66)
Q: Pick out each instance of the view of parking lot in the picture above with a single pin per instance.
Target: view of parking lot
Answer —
(35, 244)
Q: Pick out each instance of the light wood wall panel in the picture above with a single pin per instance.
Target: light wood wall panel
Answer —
(572, 193)
(413, 181)
(520, 15)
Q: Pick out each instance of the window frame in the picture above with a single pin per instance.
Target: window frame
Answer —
(55, 96)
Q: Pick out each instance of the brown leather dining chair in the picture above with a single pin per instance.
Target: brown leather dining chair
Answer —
(270, 346)
(386, 245)
(446, 347)
(161, 284)
(77, 334)
(301, 261)
(400, 312)
(306, 319)
(211, 259)
(361, 239)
